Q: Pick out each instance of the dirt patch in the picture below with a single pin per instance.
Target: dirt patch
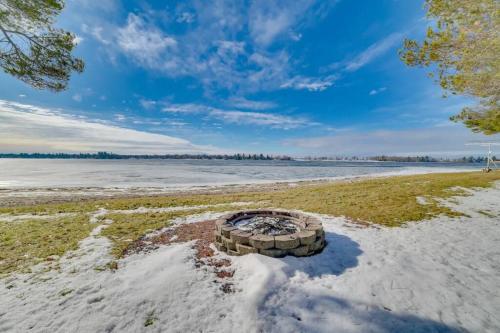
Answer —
(200, 231)
(203, 234)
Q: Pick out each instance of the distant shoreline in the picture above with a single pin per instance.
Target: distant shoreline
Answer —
(112, 156)
(242, 157)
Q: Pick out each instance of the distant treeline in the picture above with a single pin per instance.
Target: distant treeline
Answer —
(384, 158)
(111, 156)
(465, 159)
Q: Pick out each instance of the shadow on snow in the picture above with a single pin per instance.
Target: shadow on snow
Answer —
(339, 254)
(312, 310)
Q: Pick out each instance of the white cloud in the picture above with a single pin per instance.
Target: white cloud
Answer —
(270, 20)
(243, 103)
(310, 83)
(147, 103)
(120, 117)
(266, 26)
(96, 32)
(77, 97)
(186, 108)
(375, 50)
(27, 128)
(258, 118)
(438, 141)
(295, 36)
(227, 49)
(177, 123)
(377, 91)
(273, 69)
(241, 117)
(22, 95)
(186, 17)
(144, 42)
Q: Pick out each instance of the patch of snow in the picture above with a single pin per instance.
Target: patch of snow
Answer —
(422, 201)
(197, 217)
(24, 217)
(142, 210)
(486, 199)
(96, 216)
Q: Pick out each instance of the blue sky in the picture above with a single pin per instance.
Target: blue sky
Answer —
(285, 77)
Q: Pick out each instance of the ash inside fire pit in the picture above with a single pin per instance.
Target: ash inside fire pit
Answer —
(267, 225)
(274, 233)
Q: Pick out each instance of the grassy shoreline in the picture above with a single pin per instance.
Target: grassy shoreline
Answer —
(387, 201)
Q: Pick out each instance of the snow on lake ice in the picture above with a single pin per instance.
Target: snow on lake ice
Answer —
(45, 173)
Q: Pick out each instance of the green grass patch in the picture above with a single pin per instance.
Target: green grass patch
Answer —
(486, 213)
(23, 244)
(150, 318)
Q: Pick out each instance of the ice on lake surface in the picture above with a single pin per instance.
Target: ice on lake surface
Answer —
(45, 173)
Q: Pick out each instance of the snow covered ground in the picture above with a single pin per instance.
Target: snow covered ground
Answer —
(441, 275)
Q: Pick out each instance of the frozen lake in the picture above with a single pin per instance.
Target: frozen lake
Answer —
(132, 173)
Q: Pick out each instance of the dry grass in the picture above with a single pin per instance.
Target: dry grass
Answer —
(387, 201)
(23, 244)
(384, 201)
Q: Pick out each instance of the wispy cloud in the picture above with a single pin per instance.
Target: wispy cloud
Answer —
(375, 50)
(185, 17)
(147, 104)
(271, 120)
(120, 117)
(377, 91)
(259, 118)
(269, 21)
(77, 97)
(97, 32)
(28, 128)
(144, 41)
(186, 108)
(243, 103)
(310, 83)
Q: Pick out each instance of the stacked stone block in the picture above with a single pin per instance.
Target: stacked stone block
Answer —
(308, 240)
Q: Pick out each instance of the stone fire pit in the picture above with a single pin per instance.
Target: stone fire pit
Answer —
(274, 233)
